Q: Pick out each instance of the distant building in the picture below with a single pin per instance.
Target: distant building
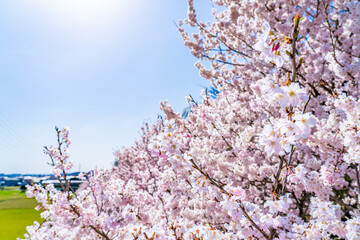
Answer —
(12, 182)
(74, 183)
(7, 180)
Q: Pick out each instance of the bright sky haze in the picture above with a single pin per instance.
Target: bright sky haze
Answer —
(99, 67)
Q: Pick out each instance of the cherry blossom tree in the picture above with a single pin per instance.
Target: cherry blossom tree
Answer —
(274, 156)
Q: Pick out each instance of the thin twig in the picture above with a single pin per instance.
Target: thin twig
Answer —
(294, 73)
(277, 175)
(287, 164)
(242, 207)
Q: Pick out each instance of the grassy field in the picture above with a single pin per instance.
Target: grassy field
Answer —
(16, 212)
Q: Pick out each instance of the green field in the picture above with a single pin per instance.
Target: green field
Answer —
(16, 212)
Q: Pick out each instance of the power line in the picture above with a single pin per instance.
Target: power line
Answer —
(4, 122)
(10, 132)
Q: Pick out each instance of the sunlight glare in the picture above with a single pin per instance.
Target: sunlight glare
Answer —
(85, 11)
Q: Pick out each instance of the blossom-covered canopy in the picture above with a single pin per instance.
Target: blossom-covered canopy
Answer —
(274, 156)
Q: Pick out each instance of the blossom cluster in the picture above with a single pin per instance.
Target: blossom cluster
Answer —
(349, 127)
(59, 155)
(282, 133)
(271, 50)
(169, 144)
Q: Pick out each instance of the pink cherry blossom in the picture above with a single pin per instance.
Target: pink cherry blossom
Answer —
(293, 94)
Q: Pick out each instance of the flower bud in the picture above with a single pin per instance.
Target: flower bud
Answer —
(297, 20)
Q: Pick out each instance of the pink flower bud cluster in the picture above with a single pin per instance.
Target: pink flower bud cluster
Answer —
(269, 49)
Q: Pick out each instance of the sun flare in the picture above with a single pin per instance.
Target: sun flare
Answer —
(83, 10)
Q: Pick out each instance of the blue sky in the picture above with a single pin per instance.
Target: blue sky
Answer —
(100, 67)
